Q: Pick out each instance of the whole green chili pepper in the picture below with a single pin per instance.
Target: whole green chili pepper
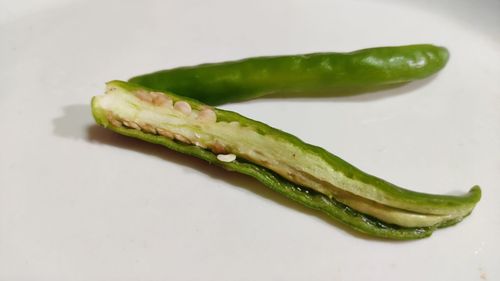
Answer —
(325, 73)
(303, 172)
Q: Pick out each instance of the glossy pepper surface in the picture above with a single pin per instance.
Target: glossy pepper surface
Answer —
(308, 74)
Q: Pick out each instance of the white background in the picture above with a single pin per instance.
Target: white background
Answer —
(80, 203)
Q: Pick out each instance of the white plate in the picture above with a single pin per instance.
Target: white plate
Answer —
(80, 203)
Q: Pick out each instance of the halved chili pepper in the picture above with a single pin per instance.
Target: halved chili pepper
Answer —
(308, 74)
(305, 173)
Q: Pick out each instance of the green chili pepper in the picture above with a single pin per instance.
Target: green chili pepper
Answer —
(318, 73)
(305, 173)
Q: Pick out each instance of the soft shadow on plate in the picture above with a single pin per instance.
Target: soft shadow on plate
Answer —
(75, 123)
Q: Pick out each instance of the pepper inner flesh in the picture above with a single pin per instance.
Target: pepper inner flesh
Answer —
(160, 114)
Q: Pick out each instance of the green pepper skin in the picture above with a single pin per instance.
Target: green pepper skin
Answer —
(309, 74)
(340, 212)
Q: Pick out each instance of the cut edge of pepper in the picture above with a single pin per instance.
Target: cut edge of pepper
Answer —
(101, 119)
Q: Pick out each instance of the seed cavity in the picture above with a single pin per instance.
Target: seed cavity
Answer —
(204, 115)
(207, 115)
(226, 157)
(155, 98)
(159, 99)
(183, 107)
(165, 133)
(148, 128)
(115, 122)
(199, 144)
(218, 148)
(131, 124)
(182, 138)
(144, 96)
